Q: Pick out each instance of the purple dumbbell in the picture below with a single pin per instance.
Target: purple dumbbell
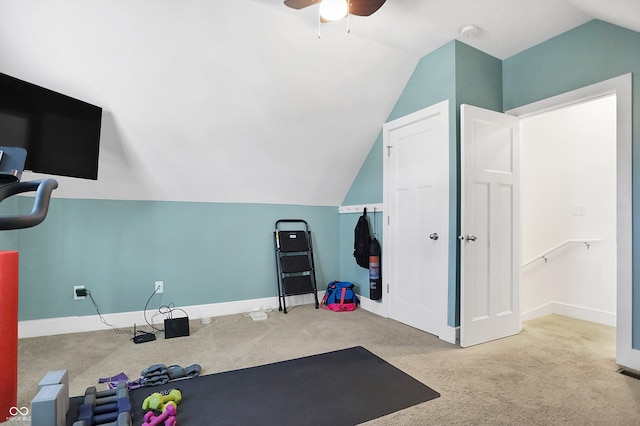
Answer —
(167, 418)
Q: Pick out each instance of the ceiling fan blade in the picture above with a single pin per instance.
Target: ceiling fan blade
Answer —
(300, 4)
(364, 7)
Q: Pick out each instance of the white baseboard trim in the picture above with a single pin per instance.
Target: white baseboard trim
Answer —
(78, 324)
(571, 311)
(451, 335)
(373, 306)
(538, 312)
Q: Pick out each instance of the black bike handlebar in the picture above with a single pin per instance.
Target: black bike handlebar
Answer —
(43, 189)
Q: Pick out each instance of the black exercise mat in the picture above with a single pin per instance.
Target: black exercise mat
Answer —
(344, 387)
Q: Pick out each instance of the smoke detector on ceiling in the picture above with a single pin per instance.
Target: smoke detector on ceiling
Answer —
(469, 31)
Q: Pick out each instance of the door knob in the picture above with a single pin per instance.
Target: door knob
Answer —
(471, 238)
(434, 236)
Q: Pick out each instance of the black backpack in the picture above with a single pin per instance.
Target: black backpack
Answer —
(362, 241)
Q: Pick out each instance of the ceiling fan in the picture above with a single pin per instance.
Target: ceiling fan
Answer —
(338, 9)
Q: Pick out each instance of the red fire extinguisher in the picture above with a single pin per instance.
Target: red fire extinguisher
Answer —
(375, 276)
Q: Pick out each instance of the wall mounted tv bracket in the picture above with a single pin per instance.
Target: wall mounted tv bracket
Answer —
(12, 161)
(11, 166)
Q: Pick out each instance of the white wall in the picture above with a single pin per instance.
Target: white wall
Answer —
(569, 192)
(227, 101)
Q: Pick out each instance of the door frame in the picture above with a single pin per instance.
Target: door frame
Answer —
(626, 356)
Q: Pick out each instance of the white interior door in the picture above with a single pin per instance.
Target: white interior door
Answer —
(415, 255)
(490, 226)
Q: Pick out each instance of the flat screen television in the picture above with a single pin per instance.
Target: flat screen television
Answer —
(61, 134)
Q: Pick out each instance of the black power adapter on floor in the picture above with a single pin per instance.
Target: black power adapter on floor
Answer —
(144, 337)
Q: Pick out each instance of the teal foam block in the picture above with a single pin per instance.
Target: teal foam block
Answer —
(47, 407)
(58, 377)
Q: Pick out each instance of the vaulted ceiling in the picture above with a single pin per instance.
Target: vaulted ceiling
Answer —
(241, 100)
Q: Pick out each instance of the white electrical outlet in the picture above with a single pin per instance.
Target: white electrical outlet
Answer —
(75, 295)
(158, 287)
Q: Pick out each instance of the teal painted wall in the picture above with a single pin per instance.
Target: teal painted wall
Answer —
(204, 253)
(211, 252)
(588, 54)
(9, 239)
(478, 83)
(478, 79)
(432, 81)
(456, 72)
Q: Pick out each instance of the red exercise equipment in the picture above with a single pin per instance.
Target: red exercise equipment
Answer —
(9, 327)
(10, 172)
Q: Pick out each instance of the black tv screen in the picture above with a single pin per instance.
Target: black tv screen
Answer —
(61, 134)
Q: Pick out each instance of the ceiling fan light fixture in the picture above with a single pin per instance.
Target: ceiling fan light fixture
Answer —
(334, 10)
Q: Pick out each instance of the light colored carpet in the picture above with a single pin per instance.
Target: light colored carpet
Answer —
(557, 371)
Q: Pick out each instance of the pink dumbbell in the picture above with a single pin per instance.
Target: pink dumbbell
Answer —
(168, 418)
